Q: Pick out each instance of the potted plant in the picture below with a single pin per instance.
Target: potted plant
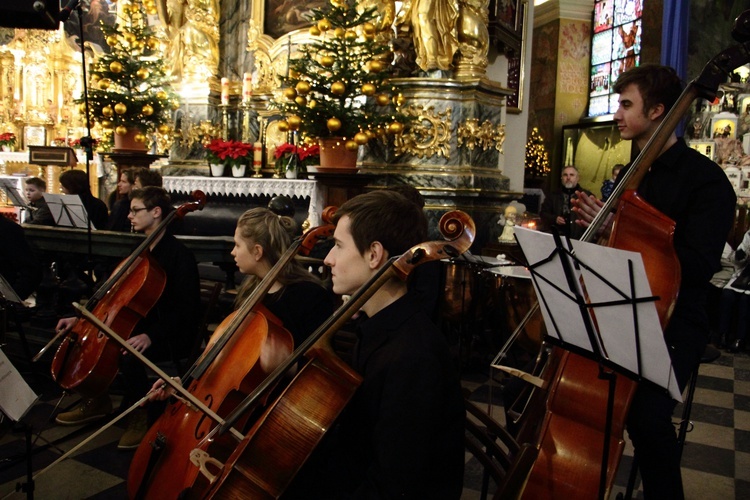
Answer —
(8, 141)
(306, 155)
(232, 155)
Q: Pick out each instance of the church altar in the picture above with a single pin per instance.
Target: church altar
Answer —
(231, 186)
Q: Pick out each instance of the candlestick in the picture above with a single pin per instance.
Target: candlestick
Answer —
(247, 89)
(225, 90)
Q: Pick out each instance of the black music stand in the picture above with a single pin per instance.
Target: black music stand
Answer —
(67, 210)
(597, 302)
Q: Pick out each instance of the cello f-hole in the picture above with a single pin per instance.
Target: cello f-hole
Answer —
(197, 433)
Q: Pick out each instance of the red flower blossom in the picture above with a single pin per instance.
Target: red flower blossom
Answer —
(219, 150)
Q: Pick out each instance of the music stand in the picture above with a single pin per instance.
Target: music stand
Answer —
(67, 210)
(596, 301)
(12, 192)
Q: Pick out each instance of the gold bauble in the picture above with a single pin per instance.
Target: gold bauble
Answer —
(147, 110)
(376, 66)
(111, 40)
(338, 88)
(312, 103)
(82, 108)
(294, 122)
(96, 77)
(327, 61)
(106, 124)
(152, 43)
(368, 89)
(115, 66)
(161, 95)
(175, 105)
(383, 99)
(290, 93)
(129, 37)
(283, 126)
(351, 145)
(370, 134)
(293, 73)
(163, 128)
(120, 108)
(300, 100)
(302, 88)
(333, 124)
(314, 31)
(368, 28)
(399, 99)
(361, 138)
(121, 130)
(324, 25)
(339, 32)
(351, 35)
(139, 137)
(142, 73)
(107, 111)
(395, 128)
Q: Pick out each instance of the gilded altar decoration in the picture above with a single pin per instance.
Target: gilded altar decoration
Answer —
(192, 27)
(433, 25)
(473, 39)
(428, 134)
(486, 135)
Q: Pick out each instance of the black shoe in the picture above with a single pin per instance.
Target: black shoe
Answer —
(737, 346)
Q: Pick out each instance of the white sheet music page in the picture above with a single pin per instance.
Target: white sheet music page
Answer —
(16, 397)
(616, 324)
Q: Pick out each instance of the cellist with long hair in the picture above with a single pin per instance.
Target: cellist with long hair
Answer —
(695, 193)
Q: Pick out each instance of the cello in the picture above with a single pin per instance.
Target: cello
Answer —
(575, 459)
(281, 440)
(86, 361)
(244, 348)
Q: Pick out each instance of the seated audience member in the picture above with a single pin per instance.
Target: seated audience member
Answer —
(39, 213)
(147, 177)
(76, 182)
(401, 436)
(18, 264)
(557, 208)
(120, 209)
(609, 185)
(735, 300)
(168, 331)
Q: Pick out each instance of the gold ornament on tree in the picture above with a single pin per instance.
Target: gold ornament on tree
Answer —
(120, 108)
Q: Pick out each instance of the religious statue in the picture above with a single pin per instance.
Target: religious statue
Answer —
(433, 26)
(508, 220)
(193, 30)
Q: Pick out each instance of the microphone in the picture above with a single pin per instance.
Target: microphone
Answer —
(41, 9)
(66, 11)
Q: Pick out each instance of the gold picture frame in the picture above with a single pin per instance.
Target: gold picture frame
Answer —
(517, 64)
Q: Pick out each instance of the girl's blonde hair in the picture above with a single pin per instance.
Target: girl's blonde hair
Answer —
(274, 234)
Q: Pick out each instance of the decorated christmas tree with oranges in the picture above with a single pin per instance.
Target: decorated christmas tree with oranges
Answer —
(129, 92)
(336, 85)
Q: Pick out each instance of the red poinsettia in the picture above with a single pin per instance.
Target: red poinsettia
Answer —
(219, 150)
(8, 139)
(308, 155)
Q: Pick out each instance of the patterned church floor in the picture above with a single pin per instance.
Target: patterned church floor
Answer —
(716, 461)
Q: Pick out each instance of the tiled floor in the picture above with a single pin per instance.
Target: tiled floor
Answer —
(716, 461)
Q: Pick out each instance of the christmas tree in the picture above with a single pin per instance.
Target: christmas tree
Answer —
(336, 85)
(537, 160)
(128, 88)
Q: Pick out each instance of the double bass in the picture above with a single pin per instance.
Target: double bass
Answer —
(86, 361)
(243, 350)
(579, 436)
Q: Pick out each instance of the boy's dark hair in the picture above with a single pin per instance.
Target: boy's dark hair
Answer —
(36, 181)
(148, 177)
(75, 181)
(384, 216)
(657, 85)
(153, 196)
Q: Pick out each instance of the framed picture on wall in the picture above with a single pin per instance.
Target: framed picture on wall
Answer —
(280, 17)
(724, 125)
(34, 136)
(594, 148)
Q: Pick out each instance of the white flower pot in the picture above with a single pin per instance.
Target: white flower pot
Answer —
(217, 169)
(239, 170)
(291, 174)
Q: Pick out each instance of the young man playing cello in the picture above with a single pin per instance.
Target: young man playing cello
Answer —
(695, 193)
(168, 331)
(401, 436)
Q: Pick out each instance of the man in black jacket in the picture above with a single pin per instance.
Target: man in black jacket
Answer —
(557, 207)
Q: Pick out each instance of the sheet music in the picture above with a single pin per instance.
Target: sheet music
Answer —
(9, 187)
(16, 397)
(67, 210)
(616, 325)
(7, 292)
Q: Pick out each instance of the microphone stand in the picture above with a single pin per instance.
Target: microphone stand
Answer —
(87, 143)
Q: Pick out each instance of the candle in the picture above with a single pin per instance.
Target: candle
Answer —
(225, 90)
(257, 154)
(247, 90)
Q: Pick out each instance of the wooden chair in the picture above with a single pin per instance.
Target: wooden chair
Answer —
(503, 459)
